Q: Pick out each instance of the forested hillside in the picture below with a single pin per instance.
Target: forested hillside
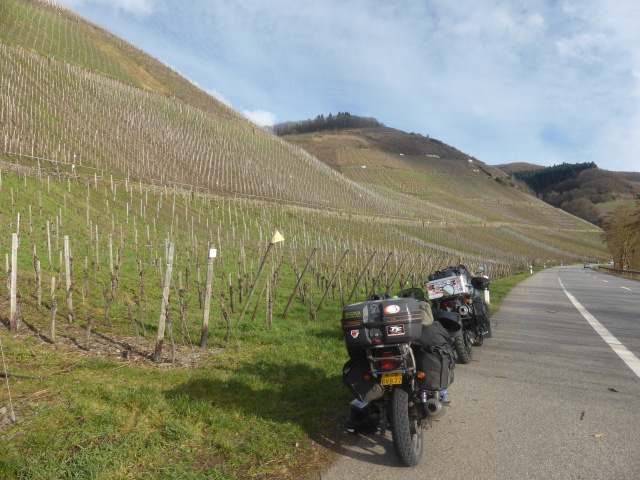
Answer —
(582, 189)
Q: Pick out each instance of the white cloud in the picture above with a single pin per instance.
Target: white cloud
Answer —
(584, 46)
(260, 117)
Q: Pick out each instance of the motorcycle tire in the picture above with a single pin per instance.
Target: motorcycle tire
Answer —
(407, 432)
(463, 349)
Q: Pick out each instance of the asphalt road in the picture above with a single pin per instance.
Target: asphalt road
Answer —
(546, 398)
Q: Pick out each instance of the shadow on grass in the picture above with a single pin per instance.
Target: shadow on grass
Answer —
(312, 398)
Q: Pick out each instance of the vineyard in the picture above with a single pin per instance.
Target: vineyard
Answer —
(139, 226)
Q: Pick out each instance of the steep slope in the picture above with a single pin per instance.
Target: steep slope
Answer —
(83, 102)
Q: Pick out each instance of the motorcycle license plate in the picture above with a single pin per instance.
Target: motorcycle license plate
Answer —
(391, 379)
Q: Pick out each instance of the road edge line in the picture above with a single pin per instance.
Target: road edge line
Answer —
(623, 352)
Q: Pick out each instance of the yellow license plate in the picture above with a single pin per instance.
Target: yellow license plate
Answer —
(391, 379)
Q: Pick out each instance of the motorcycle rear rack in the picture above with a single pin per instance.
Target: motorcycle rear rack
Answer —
(406, 358)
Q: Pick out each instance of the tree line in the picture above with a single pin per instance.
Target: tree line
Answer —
(622, 236)
(343, 120)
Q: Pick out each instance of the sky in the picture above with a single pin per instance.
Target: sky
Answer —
(538, 81)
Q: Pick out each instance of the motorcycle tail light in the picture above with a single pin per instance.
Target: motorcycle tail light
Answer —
(389, 363)
(449, 304)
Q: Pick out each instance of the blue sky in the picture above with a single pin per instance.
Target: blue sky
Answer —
(542, 82)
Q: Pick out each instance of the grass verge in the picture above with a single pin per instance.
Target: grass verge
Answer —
(271, 405)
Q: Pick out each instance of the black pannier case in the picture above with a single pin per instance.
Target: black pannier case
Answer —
(381, 322)
(353, 374)
(438, 364)
(434, 356)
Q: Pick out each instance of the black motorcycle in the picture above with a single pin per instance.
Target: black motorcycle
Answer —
(454, 289)
(399, 368)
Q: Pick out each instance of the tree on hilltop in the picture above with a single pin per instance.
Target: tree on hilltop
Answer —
(341, 121)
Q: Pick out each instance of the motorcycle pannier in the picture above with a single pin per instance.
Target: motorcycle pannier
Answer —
(377, 322)
(438, 365)
(434, 357)
(353, 376)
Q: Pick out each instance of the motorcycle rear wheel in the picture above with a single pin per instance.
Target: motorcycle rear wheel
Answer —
(463, 348)
(407, 432)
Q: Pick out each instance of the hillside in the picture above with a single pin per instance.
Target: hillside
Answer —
(583, 189)
(510, 168)
(125, 189)
(84, 100)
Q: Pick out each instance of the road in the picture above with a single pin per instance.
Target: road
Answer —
(546, 398)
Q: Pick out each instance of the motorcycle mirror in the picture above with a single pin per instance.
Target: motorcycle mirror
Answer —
(447, 290)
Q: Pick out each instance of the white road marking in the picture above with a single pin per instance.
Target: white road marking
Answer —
(626, 288)
(623, 352)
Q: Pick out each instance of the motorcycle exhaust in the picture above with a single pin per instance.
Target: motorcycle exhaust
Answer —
(463, 310)
(433, 406)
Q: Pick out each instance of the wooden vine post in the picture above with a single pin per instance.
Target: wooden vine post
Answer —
(67, 268)
(157, 355)
(355, 286)
(277, 237)
(293, 294)
(207, 298)
(14, 282)
(333, 278)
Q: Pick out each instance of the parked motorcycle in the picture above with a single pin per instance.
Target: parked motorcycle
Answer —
(454, 289)
(400, 367)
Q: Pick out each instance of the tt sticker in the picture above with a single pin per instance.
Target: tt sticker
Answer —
(393, 330)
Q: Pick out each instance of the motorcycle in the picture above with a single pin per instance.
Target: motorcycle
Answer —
(400, 367)
(454, 289)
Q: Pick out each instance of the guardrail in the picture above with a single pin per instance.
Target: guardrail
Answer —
(624, 273)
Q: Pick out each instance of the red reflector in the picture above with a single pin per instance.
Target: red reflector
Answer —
(391, 364)
(449, 304)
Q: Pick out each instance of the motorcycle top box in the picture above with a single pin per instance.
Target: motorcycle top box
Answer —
(380, 322)
(459, 283)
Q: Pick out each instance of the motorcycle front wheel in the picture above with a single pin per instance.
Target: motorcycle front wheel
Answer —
(407, 432)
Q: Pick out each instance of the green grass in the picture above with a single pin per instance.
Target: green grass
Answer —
(245, 411)
(257, 409)
(501, 287)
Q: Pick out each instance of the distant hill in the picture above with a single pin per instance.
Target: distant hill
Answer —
(371, 134)
(581, 189)
(510, 168)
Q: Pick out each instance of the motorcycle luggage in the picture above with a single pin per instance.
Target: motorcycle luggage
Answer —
(435, 335)
(482, 316)
(434, 356)
(381, 322)
(353, 374)
(480, 283)
(438, 364)
(460, 284)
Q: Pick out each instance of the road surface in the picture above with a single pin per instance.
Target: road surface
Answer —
(555, 394)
